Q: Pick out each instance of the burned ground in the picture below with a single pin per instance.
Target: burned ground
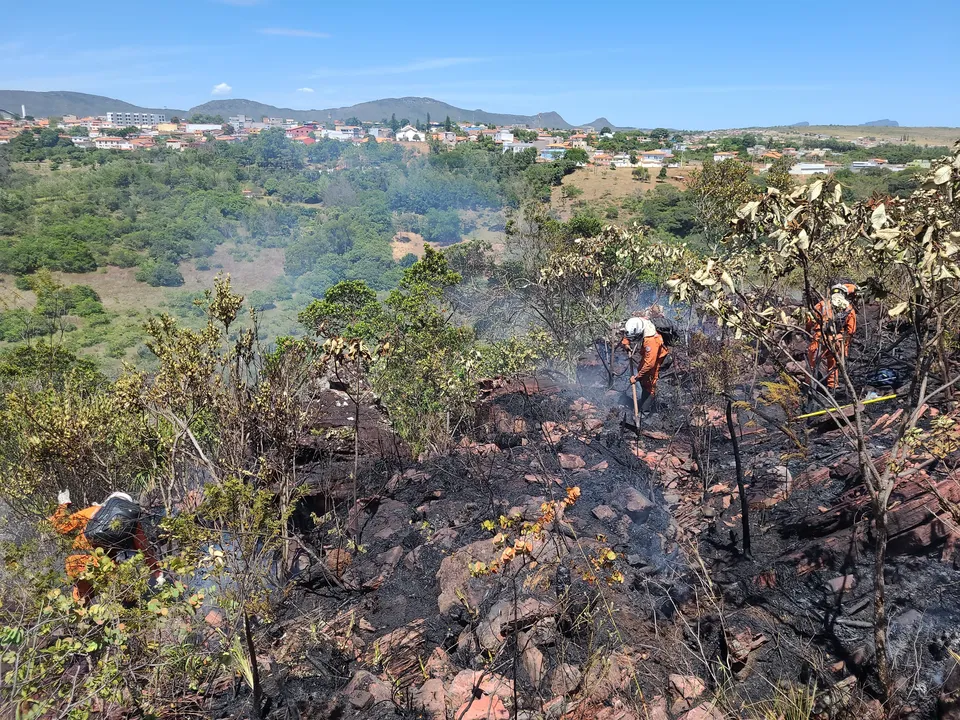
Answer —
(386, 617)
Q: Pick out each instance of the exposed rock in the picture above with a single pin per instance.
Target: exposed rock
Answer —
(399, 651)
(484, 708)
(604, 513)
(608, 675)
(564, 679)
(704, 711)
(571, 462)
(364, 680)
(637, 504)
(391, 557)
(840, 584)
(474, 683)
(361, 699)
(411, 560)
(687, 687)
(432, 698)
(439, 665)
(532, 660)
(454, 574)
(338, 560)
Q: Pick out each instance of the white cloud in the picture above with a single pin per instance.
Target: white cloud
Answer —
(416, 66)
(293, 32)
(221, 89)
(305, 90)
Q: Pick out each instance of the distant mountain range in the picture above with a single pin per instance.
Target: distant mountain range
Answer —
(58, 103)
(882, 123)
(63, 102)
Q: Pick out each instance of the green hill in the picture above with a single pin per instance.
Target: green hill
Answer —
(62, 102)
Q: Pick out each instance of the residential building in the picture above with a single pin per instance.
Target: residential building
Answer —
(166, 128)
(517, 147)
(553, 152)
(240, 122)
(201, 128)
(811, 169)
(125, 119)
(296, 133)
(352, 131)
(108, 142)
(503, 136)
(654, 158)
(410, 134)
(721, 156)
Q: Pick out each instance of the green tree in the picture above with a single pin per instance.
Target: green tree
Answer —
(717, 190)
(576, 155)
(778, 175)
(442, 226)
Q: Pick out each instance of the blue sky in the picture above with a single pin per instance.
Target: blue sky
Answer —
(698, 64)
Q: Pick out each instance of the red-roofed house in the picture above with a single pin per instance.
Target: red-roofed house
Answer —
(295, 133)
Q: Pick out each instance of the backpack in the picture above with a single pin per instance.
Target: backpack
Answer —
(836, 322)
(668, 331)
(115, 525)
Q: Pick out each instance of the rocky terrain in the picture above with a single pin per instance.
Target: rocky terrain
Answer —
(557, 565)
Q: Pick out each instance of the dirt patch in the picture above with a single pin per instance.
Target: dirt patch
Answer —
(404, 243)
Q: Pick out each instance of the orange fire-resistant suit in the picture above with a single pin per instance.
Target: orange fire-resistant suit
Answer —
(830, 334)
(65, 522)
(648, 354)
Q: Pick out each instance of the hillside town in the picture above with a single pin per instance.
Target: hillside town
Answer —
(127, 131)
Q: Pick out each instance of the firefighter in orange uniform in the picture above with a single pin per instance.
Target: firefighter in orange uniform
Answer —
(65, 523)
(649, 352)
(831, 328)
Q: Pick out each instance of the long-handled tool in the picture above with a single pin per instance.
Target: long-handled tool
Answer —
(636, 405)
(844, 407)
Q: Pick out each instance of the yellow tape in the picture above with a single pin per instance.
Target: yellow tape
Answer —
(844, 407)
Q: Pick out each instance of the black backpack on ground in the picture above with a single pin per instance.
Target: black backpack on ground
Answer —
(668, 331)
(115, 525)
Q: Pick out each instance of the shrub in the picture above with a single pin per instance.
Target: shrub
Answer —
(160, 274)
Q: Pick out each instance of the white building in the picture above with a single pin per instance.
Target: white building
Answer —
(125, 119)
(810, 169)
(503, 136)
(654, 158)
(517, 147)
(108, 142)
(721, 156)
(203, 127)
(410, 134)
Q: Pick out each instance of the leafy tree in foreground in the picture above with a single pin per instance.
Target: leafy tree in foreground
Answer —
(908, 247)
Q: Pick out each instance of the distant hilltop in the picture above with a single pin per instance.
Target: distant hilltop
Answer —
(60, 103)
(881, 123)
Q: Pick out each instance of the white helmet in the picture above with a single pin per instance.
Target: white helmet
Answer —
(121, 495)
(633, 327)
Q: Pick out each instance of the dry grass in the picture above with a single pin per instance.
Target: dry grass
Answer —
(610, 186)
(916, 135)
(407, 242)
(119, 289)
